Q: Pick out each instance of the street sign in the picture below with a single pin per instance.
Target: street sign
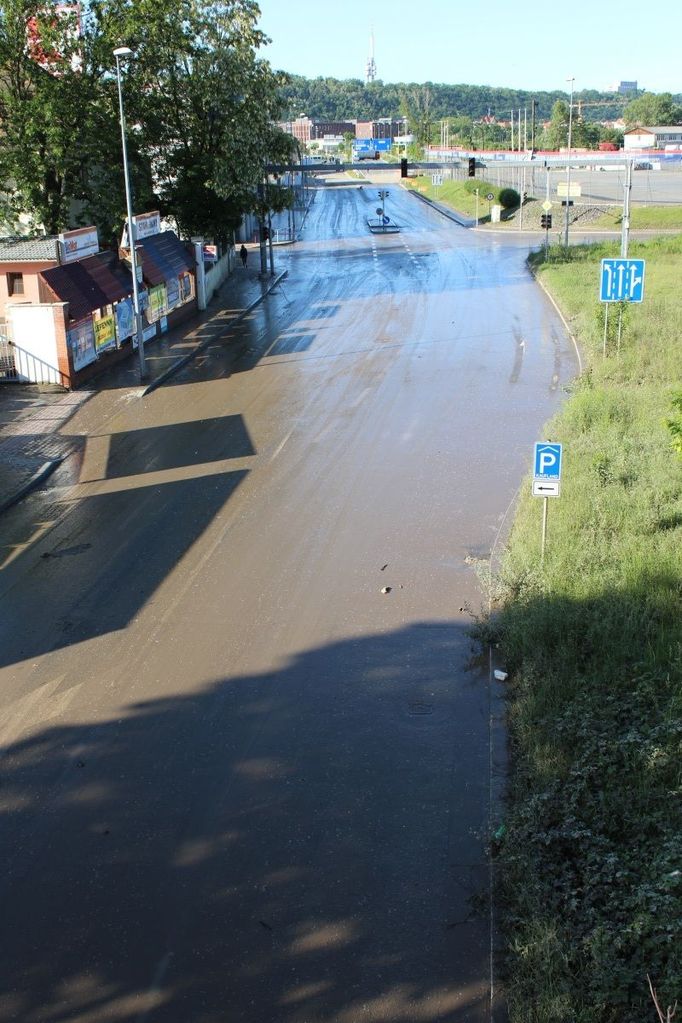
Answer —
(436, 179)
(547, 462)
(490, 196)
(546, 488)
(622, 280)
(570, 191)
(379, 211)
(546, 205)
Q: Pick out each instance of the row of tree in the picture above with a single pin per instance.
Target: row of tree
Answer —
(200, 106)
(466, 106)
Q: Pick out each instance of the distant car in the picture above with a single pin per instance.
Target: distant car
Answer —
(643, 165)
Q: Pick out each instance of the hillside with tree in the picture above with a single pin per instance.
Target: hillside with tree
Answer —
(333, 99)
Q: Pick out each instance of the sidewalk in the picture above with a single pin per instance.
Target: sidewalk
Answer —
(31, 444)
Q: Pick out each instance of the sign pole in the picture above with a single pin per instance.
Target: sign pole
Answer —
(606, 324)
(625, 233)
(620, 325)
(545, 506)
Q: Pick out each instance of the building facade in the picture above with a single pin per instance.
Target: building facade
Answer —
(652, 138)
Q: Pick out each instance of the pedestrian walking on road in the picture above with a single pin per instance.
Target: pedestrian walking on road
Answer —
(243, 255)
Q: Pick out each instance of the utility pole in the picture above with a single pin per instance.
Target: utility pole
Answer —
(533, 105)
(625, 233)
(568, 162)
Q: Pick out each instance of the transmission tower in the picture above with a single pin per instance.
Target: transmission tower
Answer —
(371, 72)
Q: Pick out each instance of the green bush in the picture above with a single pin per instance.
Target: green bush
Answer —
(509, 198)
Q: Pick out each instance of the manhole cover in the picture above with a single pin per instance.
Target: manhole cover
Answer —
(420, 707)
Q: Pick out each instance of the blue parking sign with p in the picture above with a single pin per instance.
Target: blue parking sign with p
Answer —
(547, 462)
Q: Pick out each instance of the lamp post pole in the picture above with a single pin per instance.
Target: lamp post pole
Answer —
(125, 52)
(568, 163)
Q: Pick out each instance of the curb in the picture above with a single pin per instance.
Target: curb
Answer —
(186, 359)
(462, 221)
(38, 477)
(561, 316)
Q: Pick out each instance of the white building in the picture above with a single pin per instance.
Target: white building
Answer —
(652, 138)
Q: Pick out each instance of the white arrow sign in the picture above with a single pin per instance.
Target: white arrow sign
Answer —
(546, 488)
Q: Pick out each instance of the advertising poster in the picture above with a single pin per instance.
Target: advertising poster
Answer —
(77, 244)
(81, 342)
(105, 333)
(125, 319)
(157, 302)
(172, 293)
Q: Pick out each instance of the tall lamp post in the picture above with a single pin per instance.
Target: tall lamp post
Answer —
(568, 164)
(124, 52)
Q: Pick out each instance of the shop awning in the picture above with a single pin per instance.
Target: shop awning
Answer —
(164, 258)
(89, 284)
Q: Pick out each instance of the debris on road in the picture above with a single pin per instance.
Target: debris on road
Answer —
(386, 589)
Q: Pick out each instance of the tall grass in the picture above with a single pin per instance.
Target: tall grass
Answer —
(591, 872)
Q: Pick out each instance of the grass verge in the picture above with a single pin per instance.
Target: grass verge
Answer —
(591, 878)
(642, 218)
(459, 194)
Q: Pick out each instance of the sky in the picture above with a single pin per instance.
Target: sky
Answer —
(529, 45)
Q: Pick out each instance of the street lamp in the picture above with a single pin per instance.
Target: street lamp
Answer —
(123, 53)
(568, 164)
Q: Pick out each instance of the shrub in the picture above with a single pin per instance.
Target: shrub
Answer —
(509, 198)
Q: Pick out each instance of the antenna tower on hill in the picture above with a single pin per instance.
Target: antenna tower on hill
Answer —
(371, 72)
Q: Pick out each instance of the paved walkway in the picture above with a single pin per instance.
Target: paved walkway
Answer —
(31, 419)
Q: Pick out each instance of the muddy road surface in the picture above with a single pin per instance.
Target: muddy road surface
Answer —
(246, 742)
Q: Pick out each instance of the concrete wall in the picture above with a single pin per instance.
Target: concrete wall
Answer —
(218, 272)
(38, 334)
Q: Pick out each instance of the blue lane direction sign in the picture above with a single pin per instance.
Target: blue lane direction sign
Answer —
(547, 461)
(622, 280)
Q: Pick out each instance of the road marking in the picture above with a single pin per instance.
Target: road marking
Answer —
(280, 447)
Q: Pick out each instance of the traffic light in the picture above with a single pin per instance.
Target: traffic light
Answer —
(403, 168)
(546, 220)
(472, 166)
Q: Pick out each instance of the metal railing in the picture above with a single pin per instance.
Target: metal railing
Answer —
(17, 364)
(7, 368)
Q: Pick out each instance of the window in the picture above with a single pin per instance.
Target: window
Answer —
(15, 284)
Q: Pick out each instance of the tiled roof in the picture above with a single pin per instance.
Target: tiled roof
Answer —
(164, 258)
(89, 284)
(667, 129)
(29, 250)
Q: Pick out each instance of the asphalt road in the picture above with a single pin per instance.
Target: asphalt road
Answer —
(238, 781)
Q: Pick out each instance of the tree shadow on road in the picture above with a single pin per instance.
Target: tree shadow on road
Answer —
(306, 844)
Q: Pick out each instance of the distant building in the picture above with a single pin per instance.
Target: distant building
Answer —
(300, 128)
(322, 129)
(383, 128)
(627, 88)
(652, 138)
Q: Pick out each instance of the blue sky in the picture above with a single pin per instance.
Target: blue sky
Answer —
(529, 45)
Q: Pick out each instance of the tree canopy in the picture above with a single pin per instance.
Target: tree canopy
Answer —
(200, 105)
(653, 109)
(336, 100)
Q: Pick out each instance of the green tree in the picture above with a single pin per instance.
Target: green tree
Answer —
(653, 109)
(203, 101)
(556, 132)
(416, 106)
(54, 126)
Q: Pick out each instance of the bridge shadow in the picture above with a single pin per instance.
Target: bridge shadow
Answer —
(307, 843)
